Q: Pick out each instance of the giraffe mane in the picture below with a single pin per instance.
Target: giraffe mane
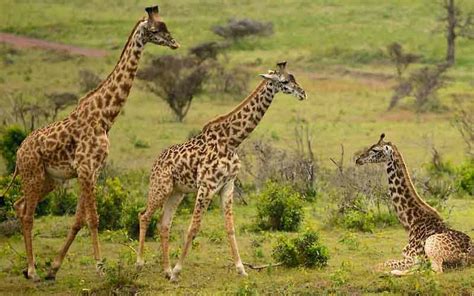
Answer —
(221, 118)
(90, 93)
(412, 189)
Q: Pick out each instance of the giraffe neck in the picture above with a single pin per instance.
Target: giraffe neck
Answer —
(408, 204)
(237, 125)
(107, 100)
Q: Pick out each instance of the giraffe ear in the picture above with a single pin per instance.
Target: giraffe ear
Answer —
(153, 13)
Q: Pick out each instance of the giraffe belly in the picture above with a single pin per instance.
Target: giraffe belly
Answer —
(61, 172)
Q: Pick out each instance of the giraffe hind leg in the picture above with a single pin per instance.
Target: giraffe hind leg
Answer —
(160, 190)
(449, 248)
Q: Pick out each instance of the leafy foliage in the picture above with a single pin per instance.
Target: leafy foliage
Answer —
(279, 207)
(305, 250)
(131, 223)
(9, 144)
(110, 198)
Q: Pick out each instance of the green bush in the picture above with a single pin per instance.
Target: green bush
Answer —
(279, 207)
(465, 178)
(7, 211)
(9, 143)
(304, 250)
(110, 197)
(62, 202)
(131, 223)
(357, 220)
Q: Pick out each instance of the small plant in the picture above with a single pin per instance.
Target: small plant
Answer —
(9, 144)
(304, 250)
(279, 207)
(120, 279)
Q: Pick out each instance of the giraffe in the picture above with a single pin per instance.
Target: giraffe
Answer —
(77, 146)
(208, 164)
(429, 237)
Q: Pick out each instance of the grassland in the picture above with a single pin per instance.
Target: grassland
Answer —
(336, 51)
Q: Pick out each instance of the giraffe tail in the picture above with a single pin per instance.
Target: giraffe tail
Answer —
(2, 197)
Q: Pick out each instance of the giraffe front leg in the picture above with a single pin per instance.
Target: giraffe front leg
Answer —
(227, 201)
(87, 177)
(203, 199)
(400, 267)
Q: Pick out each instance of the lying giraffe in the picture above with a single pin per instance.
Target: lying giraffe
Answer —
(429, 236)
(208, 164)
(77, 146)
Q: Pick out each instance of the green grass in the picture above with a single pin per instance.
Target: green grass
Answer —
(336, 51)
(208, 269)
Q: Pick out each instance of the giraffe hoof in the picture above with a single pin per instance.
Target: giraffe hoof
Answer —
(50, 277)
(174, 278)
(34, 277)
(168, 274)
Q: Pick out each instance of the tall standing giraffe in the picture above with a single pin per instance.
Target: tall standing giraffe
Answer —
(77, 146)
(429, 236)
(208, 164)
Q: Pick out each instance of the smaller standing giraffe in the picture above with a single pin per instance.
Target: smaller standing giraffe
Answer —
(208, 164)
(429, 236)
(77, 146)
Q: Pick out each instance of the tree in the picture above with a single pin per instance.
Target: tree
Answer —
(179, 83)
(458, 24)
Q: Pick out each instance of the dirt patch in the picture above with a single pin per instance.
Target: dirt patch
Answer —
(27, 42)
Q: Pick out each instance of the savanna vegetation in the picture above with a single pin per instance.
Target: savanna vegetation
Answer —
(307, 220)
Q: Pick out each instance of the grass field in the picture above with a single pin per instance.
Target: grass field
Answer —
(336, 49)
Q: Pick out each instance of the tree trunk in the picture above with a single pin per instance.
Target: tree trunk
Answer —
(450, 33)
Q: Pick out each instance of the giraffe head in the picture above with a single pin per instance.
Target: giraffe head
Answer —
(284, 81)
(377, 153)
(155, 30)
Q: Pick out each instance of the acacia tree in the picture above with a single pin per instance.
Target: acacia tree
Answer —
(182, 80)
(458, 24)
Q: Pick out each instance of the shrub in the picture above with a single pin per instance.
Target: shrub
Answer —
(88, 80)
(360, 221)
(279, 207)
(9, 144)
(62, 201)
(6, 211)
(131, 223)
(304, 250)
(236, 29)
(110, 199)
(465, 178)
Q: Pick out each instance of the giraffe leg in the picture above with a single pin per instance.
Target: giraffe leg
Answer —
(169, 210)
(75, 228)
(227, 200)
(34, 190)
(451, 247)
(203, 199)
(87, 178)
(160, 190)
(398, 267)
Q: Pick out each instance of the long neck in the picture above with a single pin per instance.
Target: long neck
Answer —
(108, 99)
(408, 204)
(236, 126)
